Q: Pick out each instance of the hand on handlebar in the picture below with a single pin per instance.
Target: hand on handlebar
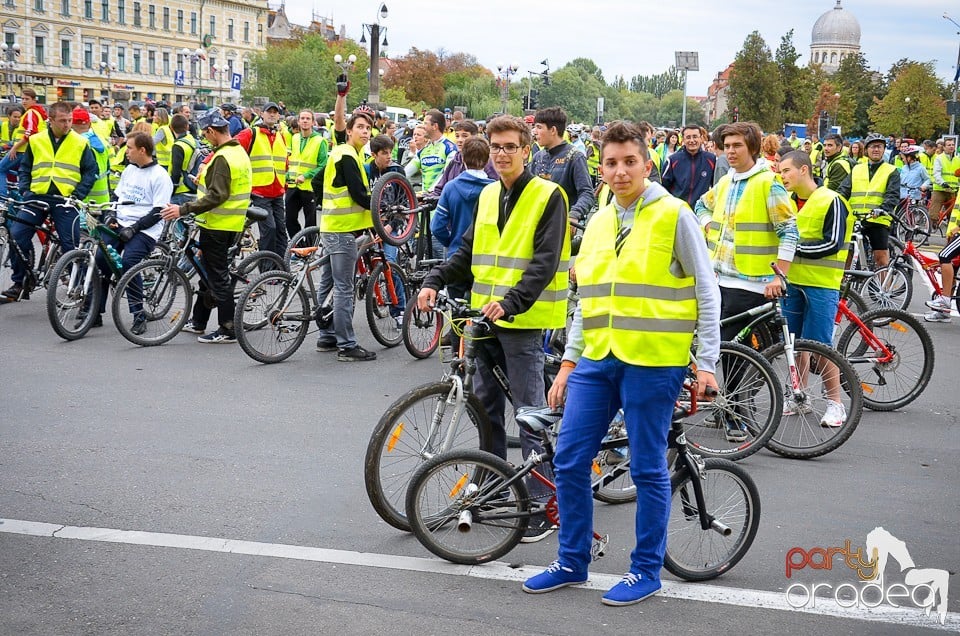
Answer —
(493, 311)
(426, 299)
(707, 387)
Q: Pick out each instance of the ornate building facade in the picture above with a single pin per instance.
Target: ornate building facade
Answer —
(835, 35)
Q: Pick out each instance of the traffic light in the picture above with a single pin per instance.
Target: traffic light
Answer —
(534, 96)
(526, 103)
(736, 113)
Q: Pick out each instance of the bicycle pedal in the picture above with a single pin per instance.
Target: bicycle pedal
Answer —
(599, 548)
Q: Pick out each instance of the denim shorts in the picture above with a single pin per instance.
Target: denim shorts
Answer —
(811, 312)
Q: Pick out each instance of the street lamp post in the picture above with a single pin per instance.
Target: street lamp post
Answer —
(956, 79)
(107, 69)
(375, 30)
(10, 54)
(505, 73)
(218, 75)
(906, 115)
(686, 61)
(195, 56)
(545, 74)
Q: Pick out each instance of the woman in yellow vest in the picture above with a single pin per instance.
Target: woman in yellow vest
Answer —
(223, 196)
(163, 138)
(10, 126)
(646, 283)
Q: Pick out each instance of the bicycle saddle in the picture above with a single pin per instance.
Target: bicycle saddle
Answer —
(255, 214)
(538, 418)
(304, 252)
(859, 274)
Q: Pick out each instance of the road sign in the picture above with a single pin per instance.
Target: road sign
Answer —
(235, 81)
(178, 78)
(953, 108)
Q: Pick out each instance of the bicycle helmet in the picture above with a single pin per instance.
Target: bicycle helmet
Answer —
(874, 137)
(912, 150)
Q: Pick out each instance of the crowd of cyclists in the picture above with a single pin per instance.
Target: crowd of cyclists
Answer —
(681, 229)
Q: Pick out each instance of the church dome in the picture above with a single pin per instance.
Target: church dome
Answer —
(836, 27)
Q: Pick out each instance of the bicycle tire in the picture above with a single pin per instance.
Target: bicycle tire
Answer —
(749, 395)
(307, 237)
(164, 289)
(252, 266)
(381, 313)
(66, 298)
(731, 497)
(889, 288)
(6, 268)
(421, 331)
(402, 440)
(801, 436)
(913, 216)
(272, 317)
(440, 492)
(393, 203)
(893, 384)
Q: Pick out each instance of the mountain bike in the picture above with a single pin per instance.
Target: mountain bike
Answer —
(37, 262)
(912, 213)
(471, 507)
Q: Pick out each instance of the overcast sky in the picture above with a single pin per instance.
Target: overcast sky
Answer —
(639, 38)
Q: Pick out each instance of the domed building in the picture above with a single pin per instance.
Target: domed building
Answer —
(836, 34)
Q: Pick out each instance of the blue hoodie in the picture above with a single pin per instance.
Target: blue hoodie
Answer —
(456, 207)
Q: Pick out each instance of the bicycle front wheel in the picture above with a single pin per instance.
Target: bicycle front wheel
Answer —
(385, 309)
(745, 413)
(893, 355)
(272, 317)
(805, 431)
(889, 288)
(412, 430)
(157, 293)
(394, 205)
(733, 507)
(73, 295)
(421, 330)
(462, 510)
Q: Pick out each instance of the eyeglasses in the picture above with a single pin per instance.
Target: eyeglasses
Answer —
(510, 149)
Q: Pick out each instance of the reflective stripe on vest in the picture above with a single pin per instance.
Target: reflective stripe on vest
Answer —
(843, 164)
(948, 169)
(866, 193)
(189, 146)
(632, 304)
(303, 161)
(499, 260)
(61, 168)
(268, 162)
(340, 212)
(755, 241)
(231, 214)
(163, 148)
(826, 272)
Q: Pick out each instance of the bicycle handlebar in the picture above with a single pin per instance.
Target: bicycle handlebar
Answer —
(460, 308)
(779, 273)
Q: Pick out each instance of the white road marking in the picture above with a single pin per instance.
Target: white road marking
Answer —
(498, 571)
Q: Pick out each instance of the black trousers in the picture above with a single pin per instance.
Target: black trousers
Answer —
(735, 301)
(214, 245)
(296, 200)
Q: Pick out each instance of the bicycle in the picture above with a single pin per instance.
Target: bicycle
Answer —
(912, 213)
(471, 507)
(160, 289)
(37, 274)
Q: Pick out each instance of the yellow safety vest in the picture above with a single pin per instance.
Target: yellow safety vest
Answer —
(927, 162)
(826, 272)
(100, 193)
(954, 222)
(268, 162)
(189, 146)
(5, 131)
(284, 132)
(843, 163)
(948, 169)
(499, 260)
(61, 168)
(593, 160)
(164, 148)
(866, 193)
(632, 304)
(116, 166)
(231, 214)
(755, 241)
(103, 128)
(340, 212)
(303, 161)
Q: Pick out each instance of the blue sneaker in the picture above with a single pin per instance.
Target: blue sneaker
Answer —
(553, 578)
(633, 588)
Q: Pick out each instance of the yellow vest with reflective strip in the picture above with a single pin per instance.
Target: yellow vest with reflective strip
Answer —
(826, 272)
(189, 146)
(230, 215)
(866, 193)
(268, 162)
(499, 260)
(843, 164)
(948, 168)
(755, 241)
(104, 129)
(5, 131)
(340, 212)
(100, 193)
(163, 149)
(302, 162)
(632, 304)
(954, 222)
(593, 160)
(116, 165)
(61, 168)
(927, 162)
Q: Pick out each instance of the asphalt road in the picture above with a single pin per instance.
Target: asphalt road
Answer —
(201, 442)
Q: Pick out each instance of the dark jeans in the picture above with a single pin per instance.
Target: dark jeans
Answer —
(735, 301)
(295, 201)
(68, 229)
(273, 230)
(8, 165)
(214, 245)
(131, 253)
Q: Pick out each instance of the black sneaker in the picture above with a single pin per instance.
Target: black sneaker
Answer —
(82, 317)
(192, 327)
(357, 354)
(326, 344)
(139, 326)
(538, 529)
(220, 336)
(735, 431)
(16, 292)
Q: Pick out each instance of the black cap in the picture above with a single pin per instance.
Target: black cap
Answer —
(228, 107)
(270, 105)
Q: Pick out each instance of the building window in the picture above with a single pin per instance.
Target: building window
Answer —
(38, 6)
(88, 55)
(166, 65)
(179, 61)
(136, 60)
(246, 69)
(104, 54)
(213, 26)
(193, 23)
(212, 64)
(121, 12)
(246, 31)
(136, 14)
(9, 4)
(230, 29)
(88, 9)
(166, 18)
(122, 59)
(179, 20)
(152, 17)
(38, 57)
(259, 35)
(65, 53)
(65, 8)
(105, 11)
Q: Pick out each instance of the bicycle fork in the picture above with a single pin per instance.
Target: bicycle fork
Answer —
(697, 505)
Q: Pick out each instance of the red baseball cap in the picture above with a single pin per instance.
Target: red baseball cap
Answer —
(80, 116)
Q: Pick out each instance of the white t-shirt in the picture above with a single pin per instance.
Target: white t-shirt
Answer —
(148, 188)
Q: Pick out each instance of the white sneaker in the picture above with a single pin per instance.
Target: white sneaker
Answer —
(937, 316)
(835, 415)
(791, 407)
(939, 304)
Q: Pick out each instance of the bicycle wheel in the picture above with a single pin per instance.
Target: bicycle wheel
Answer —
(913, 216)
(445, 511)
(801, 434)
(73, 295)
(260, 262)
(731, 499)
(385, 317)
(414, 429)
(749, 400)
(421, 330)
(894, 378)
(156, 291)
(612, 482)
(857, 305)
(889, 288)
(272, 317)
(394, 205)
(5, 265)
(307, 237)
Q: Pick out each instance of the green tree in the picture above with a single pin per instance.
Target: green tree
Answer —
(796, 94)
(420, 74)
(639, 106)
(575, 89)
(912, 106)
(755, 85)
(659, 85)
(828, 101)
(858, 86)
(671, 109)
